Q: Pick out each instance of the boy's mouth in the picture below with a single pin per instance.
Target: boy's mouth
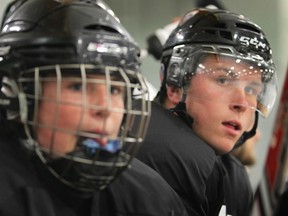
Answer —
(232, 124)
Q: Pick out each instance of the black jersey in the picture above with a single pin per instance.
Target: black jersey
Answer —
(25, 192)
(188, 164)
(238, 189)
(282, 207)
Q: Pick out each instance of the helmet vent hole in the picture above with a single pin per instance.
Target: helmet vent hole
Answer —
(221, 25)
(225, 50)
(99, 27)
(208, 48)
(247, 27)
(210, 31)
(226, 34)
(51, 52)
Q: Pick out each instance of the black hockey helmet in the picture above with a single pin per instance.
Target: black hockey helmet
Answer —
(32, 35)
(204, 32)
(44, 37)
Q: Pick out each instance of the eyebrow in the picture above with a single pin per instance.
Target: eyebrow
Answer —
(228, 71)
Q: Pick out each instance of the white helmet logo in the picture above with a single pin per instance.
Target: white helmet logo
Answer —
(252, 41)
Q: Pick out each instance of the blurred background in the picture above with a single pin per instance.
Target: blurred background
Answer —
(143, 17)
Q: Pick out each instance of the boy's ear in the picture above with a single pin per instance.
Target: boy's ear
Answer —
(174, 95)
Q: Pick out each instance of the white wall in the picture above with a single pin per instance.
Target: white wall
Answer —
(2, 8)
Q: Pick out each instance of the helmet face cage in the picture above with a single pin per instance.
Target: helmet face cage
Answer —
(188, 60)
(87, 47)
(90, 165)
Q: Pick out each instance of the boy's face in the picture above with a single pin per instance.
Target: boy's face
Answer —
(70, 110)
(222, 99)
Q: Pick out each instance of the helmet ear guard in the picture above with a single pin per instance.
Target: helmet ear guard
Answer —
(174, 75)
(12, 101)
(9, 98)
(178, 67)
(249, 134)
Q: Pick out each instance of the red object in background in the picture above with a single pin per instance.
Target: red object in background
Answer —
(277, 151)
(275, 176)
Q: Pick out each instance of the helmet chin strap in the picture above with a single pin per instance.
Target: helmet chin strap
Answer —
(180, 110)
(247, 135)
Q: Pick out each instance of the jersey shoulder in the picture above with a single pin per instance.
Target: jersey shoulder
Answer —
(170, 142)
(141, 190)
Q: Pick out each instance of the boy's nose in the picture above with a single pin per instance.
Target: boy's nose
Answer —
(100, 101)
(239, 102)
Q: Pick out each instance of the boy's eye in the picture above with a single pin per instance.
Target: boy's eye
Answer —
(116, 90)
(75, 86)
(222, 80)
(252, 91)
